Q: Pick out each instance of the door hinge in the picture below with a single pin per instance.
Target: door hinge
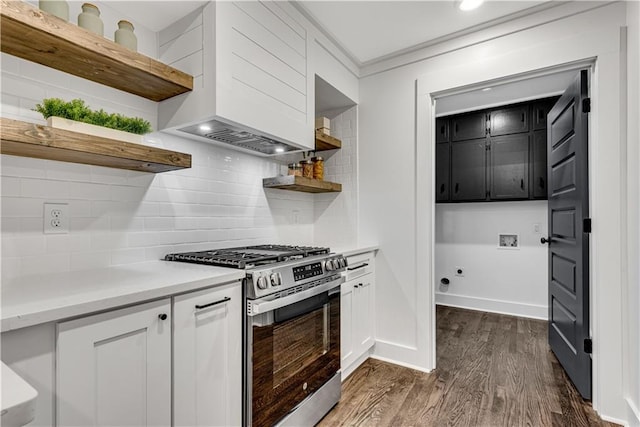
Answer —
(586, 105)
(586, 225)
(588, 345)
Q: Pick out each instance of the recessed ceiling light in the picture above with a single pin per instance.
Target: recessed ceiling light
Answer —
(486, 89)
(205, 128)
(467, 5)
(279, 150)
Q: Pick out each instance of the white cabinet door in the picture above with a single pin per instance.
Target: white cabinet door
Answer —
(114, 369)
(347, 313)
(207, 365)
(364, 313)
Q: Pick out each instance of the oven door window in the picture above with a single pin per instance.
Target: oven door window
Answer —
(300, 336)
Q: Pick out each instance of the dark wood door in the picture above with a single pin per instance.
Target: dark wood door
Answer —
(468, 126)
(442, 172)
(510, 167)
(567, 134)
(539, 164)
(442, 130)
(468, 170)
(509, 120)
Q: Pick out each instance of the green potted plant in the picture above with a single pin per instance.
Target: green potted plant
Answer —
(76, 116)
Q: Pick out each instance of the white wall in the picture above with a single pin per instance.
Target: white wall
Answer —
(396, 171)
(335, 219)
(511, 281)
(632, 297)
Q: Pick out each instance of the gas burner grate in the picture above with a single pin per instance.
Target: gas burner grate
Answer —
(247, 256)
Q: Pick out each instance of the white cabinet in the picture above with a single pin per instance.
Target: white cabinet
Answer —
(207, 357)
(357, 311)
(114, 369)
(250, 62)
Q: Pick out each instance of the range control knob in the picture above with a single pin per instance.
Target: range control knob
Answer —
(336, 264)
(262, 282)
(328, 265)
(276, 279)
(343, 262)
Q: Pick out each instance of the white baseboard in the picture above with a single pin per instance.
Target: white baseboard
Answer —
(349, 369)
(493, 306)
(633, 413)
(396, 362)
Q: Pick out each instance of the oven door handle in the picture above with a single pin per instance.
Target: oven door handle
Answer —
(258, 307)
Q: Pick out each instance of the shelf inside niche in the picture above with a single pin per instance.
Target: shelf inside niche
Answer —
(43, 142)
(37, 36)
(327, 142)
(302, 184)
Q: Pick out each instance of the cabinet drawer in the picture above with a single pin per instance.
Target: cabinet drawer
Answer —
(468, 126)
(509, 120)
(359, 265)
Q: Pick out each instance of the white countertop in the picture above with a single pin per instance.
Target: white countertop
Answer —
(355, 251)
(37, 299)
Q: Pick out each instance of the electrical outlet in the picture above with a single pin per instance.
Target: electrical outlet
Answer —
(536, 228)
(460, 271)
(56, 218)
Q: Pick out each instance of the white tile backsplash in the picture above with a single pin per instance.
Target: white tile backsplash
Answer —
(119, 217)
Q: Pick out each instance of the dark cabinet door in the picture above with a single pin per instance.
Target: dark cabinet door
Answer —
(442, 130)
(468, 170)
(539, 113)
(509, 120)
(539, 164)
(510, 167)
(468, 126)
(442, 172)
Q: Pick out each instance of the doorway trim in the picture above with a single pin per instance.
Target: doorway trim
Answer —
(601, 48)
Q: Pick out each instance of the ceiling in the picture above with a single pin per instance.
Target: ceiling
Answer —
(367, 30)
(371, 30)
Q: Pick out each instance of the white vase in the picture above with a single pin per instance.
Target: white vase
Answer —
(59, 8)
(124, 36)
(89, 19)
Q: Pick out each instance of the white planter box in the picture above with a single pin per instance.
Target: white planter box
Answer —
(72, 125)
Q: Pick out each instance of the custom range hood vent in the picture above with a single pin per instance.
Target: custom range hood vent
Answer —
(238, 138)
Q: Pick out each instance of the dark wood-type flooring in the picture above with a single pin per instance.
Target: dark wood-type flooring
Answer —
(492, 370)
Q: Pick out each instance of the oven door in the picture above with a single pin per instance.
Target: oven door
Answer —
(293, 348)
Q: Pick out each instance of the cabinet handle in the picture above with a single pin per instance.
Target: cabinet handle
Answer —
(456, 128)
(456, 188)
(541, 183)
(360, 285)
(225, 299)
(162, 316)
(522, 118)
(355, 268)
(355, 286)
(441, 188)
(442, 130)
(522, 184)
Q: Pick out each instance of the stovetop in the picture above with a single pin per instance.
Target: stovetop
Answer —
(247, 256)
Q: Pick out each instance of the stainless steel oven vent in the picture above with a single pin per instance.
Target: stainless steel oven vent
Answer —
(238, 138)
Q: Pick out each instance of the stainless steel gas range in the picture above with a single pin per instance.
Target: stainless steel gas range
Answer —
(291, 329)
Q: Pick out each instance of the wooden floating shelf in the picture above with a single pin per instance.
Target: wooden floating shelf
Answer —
(299, 183)
(34, 35)
(43, 142)
(326, 142)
